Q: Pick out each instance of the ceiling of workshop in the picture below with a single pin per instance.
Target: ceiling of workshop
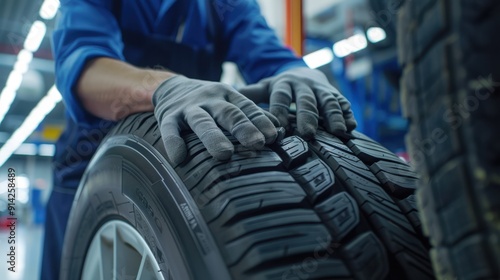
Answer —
(16, 18)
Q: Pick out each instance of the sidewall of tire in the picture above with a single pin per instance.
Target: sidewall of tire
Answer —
(157, 206)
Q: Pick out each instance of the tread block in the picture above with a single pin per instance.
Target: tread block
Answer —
(275, 243)
(361, 136)
(273, 230)
(340, 214)
(409, 208)
(338, 155)
(317, 266)
(405, 38)
(249, 194)
(371, 152)
(433, 24)
(441, 263)
(419, 7)
(448, 189)
(367, 258)
(293, 150)
(430, 223)
(396, 178)
(441, 140)
(315, 177)
(204, 166)
(431, 65)
(471, 260)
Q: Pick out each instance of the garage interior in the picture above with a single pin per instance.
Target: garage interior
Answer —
(355, 43)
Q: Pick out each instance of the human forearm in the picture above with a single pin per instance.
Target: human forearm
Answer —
(112, 89)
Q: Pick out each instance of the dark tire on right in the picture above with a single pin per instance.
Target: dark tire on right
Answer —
(450, 51)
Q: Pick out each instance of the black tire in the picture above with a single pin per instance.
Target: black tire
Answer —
(324, 209)
(450, 91)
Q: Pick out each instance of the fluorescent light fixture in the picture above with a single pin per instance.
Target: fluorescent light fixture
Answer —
(25, 56)
(21, 67)
(26, 149)
(49, 8)
(46, 150)
(23, 182)
(23, 191)
(318, 58)
(35, 117)
(14, 80)
(375, 34)
(6, 98)
(35, 36)
(23, 61)
(350, 45)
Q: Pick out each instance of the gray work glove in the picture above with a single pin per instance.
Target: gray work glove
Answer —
(311, 91)
(182, 103)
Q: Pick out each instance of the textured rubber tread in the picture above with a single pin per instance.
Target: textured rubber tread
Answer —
(360, 260)
(304, 209)
(340, 214)
(409, 208)
(450, 93)
(293, 150)
(315, 177)
(390, 223)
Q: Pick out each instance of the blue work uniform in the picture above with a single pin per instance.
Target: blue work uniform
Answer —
(190, 37)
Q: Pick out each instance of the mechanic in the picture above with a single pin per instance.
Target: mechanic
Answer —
(106, 55)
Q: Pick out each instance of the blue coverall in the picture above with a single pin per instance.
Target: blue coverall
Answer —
(190, 37)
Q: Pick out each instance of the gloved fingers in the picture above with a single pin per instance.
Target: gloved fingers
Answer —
(210, 135)
(174, 144)
(256, 115)
(265, 126)
(307, 110)
(345, 105)
(332, 112)
(258, 93)
(281, 97)
(272, 118)
(232, 119)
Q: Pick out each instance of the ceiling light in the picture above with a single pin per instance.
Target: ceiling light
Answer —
(375, 34)
(25, 56)
(22, 181)
(47, 150)
(6, 98)
(49, 9)
(35, 117)
(318, 58)
(350, 45)
(35, 36)
(21, 67)
(14, 80)
(26, 149)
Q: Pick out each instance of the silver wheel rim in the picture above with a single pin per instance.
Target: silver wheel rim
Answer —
(118, 251)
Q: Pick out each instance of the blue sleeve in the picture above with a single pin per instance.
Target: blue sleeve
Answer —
(85, 29)
(253, 45)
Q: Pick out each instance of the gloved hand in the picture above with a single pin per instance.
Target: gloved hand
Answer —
(311, 91)
(182, 103)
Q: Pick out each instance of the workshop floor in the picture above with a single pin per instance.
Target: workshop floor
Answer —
(28, 253)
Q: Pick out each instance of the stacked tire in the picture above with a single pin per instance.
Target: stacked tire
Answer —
(450, 93)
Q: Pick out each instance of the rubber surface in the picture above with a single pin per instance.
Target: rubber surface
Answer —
(328, 208)
(450, 93)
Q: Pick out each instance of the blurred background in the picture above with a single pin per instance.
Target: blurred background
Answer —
(352, 42)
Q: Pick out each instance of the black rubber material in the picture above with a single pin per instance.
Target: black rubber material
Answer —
(450, 91)
(321, 209)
